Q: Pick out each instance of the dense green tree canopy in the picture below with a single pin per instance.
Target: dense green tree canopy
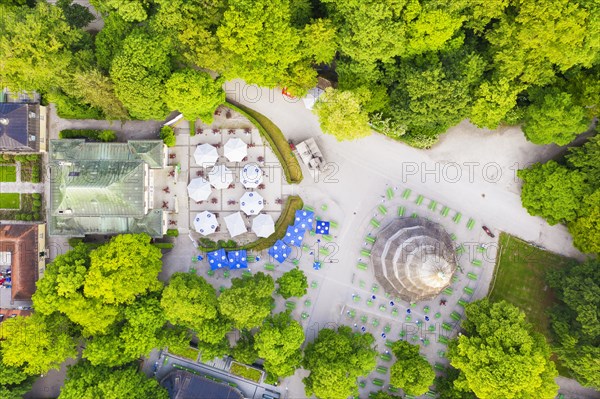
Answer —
(14, 382)
(552, 191)
(278, 342)
(586, 228)
(124, 268)
(36, 46)
(248, 302)
(335, 360)
(139, 72)
(195, 94)
(576, 321)
(499, 355)
(244, 351)
(553, 117)
(411, 372)
(37, 343)
(341, 115)
(292, 283)
(85, 381)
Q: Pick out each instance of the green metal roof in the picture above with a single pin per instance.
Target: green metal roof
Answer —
(102, 188)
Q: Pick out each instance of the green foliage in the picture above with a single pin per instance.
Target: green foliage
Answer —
(195, 94)
(172, 232)
(576, 322)
(76, 15)
(292, 283)
(14, 383)
(411, 372)
(553, 117)
(585, 159)
(444, 385)
(123, 269)
(335, 360)
(493, 100)
(71, 108)
(320, 40)
(139, 72)
(586, 228)
(248, 302)
(167, 135)
(552, 191)
(278, 342)
(23, 32)
(97, 135)
(109, 41)
(244, 351)
(248, 373)
(341, 115)
(130, 11)
(87, 381)
(37, 343)
(499, 356)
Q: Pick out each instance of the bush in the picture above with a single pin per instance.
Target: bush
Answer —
(37, 203)
(36, 216)
(167, 135)
(75, 241)
(36, 196)
(173, 233)
(91, 134)
(70, 108)
(164, 245)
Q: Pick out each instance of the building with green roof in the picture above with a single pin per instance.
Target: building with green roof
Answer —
(104, 188)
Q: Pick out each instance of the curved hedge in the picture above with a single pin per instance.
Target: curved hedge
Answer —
(273, 135)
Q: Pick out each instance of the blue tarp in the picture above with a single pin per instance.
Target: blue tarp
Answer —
(279, 251)
(237, 259)
(217, 259)
(304, 219)
(322, 227)
(294, 235)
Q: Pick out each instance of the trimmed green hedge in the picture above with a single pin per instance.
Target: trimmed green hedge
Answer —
(246, 372)
(273, 135)
(172, 233)
(92, 134)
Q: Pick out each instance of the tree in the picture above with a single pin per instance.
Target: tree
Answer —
(14, 383)
(340, 114)
(167, 135)
(139, 72)
(85, 381)
(585, 159)
(493, 100)
(576, 321)
(195, 94)
(552, 191)
(411, 372)
(76, 15)
(586, 228)
(553, 117)
(499, 355)
(23, 32)
(123, 269)
(136, 336)
(93, 88)
(109, 41)
(335, 360)
(278, 342)
(244, 351)
(320, 40)
(444, 385)
(292, 283)
(130, 11)
(37, 343)
(248, 302)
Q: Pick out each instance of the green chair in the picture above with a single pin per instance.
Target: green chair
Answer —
(455, 316)
(361, 266)
(377, 382)
(370, 239)
(324, 207)
(382, 209)
(426, 310)
(414, 215)
(375, 223)
(419, 200)
(364, 318)
(290, 305)
(269, 266)
(447, 291)
(470, 224)
(324, 251)
(389, 343)
(296, 262)
(382, 308)
(304, 315)
(307, 303)
(438, 315)
(389, 193)
(432, 205)
(375, 323)
(408, 317)
(226, 274)
(387, 329)
(401, 211)
(453, 237)
(369, 302)
(462, 302)
(445, 210)
(333, 224)
(431, 328)
(480, 249)
(308, 208)
(446, 326)
(443, 340)
(210, 273)
(394, 312)
(471, 276)
(468, 290)
(365, 252)
(247, 274)
(476, 262)
(374, 288)
(457, 217)
(356, 298)
(381, 369)
(314, 284)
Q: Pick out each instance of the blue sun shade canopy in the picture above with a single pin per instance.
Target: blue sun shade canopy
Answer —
(237, 259)
(280, 251)
(322, 227)
(218, 259)
(304, 219)
(294, 235)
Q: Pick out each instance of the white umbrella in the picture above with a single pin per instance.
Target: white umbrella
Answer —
(251, 175)
(205, 223)
(235, 224)
(206, 155)
(235, 150)
(199, 189)
(311, 97)
(252, 203)
(220, 177)
(263, 225)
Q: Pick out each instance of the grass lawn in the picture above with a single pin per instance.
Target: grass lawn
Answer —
(8, 173)
(10, 201)
(188, 353)
(246, 372)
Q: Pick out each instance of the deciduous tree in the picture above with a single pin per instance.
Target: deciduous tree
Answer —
(411, 372)
(499, 355)
(292, 283)
(195, 94)
(341, 115)
(335, 360)
(248, 302)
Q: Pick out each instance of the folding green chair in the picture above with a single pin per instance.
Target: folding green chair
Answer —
(457, 217)
(419, 200)
(401, 211)
(445, 211)
(390, 193)
(406, 193)
(382, 209)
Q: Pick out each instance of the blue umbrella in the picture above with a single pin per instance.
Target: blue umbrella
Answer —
(217, 259)
(294, 235)
(237, 259)
(304, 219)
(317, 265)
(322, 227)
(279, 251)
